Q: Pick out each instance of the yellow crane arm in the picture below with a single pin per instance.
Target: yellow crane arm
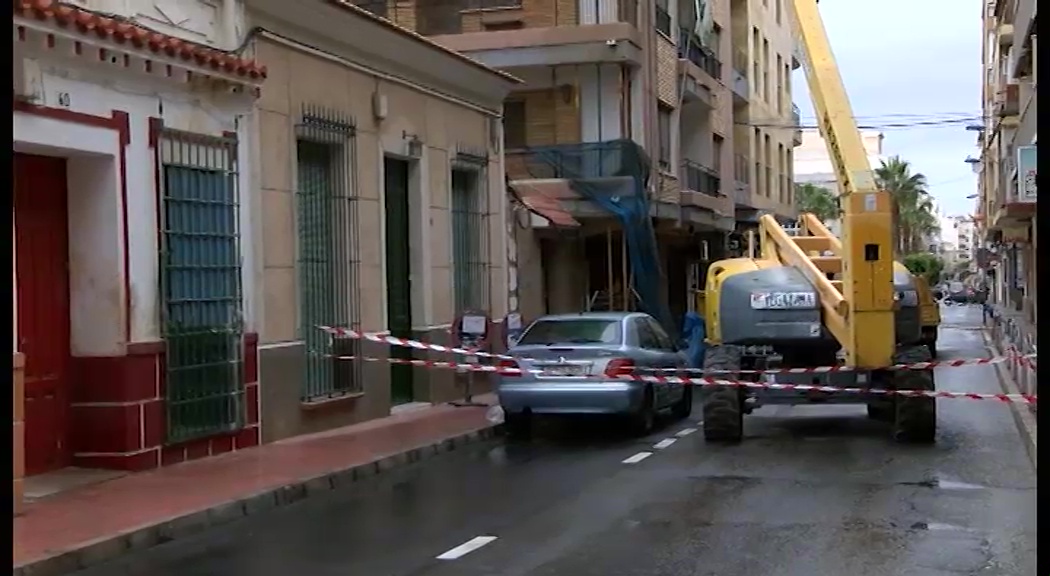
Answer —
(866, 250)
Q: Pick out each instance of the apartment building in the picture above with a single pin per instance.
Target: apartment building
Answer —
(625, 112)
(767, 123)
(812, 163)
(1007, 164)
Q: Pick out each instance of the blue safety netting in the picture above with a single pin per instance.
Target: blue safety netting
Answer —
(615, 175)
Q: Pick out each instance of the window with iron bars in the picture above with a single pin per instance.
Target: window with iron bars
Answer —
(469, 224)
(201, 295)
(328, 252)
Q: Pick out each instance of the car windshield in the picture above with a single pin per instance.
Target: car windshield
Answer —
(572, 331)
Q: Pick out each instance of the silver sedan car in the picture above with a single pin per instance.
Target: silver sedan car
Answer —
(569, 364)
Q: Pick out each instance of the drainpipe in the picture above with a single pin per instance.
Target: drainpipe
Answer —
(229, 23)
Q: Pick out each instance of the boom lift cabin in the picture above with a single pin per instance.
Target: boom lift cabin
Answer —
(807, 297)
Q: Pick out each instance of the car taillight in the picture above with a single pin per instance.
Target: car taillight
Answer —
(619, 367)
(509, 368)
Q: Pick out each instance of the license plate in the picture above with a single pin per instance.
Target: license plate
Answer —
(569, 370)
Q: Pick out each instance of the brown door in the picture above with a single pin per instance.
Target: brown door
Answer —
(42, 280)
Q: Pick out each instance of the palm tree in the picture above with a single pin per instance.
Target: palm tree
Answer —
(915, 210)
(818, 201)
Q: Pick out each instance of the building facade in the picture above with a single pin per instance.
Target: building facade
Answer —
(382, 208)
(767, 123)
(134, 330)
(812, 163)
(1007, 164)
(622, 99)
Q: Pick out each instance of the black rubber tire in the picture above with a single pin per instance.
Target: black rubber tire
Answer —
(723, 405)
(684, 407)
(517, 425)
(643, 421)
(881, 412)
(914, 417)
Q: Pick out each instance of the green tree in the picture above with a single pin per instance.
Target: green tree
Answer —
(930, 266)
(818, 201)
(915, 210)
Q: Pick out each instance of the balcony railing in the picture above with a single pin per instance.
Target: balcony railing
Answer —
(690, 48)
(446, 17)
(585, 160)
(698, 178)
(606, 11)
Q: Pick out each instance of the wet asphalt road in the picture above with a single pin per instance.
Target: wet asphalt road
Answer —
(812, 491)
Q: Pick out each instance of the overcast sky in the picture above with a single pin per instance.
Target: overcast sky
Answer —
(909, 61)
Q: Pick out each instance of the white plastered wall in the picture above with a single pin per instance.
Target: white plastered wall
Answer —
(96, 239)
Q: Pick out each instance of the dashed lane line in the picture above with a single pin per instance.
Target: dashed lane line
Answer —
(637, 458)
(685, 432)
(664, 443)
(466, 547)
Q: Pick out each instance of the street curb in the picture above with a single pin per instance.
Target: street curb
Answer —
(1023, 419)
(109, 548)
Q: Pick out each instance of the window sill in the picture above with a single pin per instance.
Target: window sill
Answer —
(330, 402)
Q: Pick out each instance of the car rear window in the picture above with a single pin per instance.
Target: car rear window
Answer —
(572, 331)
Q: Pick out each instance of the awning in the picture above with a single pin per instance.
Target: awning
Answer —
(544, 198)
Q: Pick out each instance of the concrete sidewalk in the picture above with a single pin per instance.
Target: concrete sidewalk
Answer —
(1023, 415)
(75, 529)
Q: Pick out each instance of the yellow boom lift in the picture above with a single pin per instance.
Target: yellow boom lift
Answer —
(807, 296)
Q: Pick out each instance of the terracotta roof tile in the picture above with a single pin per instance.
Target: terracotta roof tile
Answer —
(124, 32)
(544, 198)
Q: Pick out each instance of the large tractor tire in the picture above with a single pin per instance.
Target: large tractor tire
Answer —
(723, 405)
(914, 417)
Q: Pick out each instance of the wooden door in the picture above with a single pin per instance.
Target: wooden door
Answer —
(398, 276)
(42, 280)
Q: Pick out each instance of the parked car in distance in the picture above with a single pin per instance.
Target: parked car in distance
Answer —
(570, 364)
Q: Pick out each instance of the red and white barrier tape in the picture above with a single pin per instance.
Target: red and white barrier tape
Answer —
(432, 364)
(1019, 398)
(825, 369)
(1025, 360)
(383, 338)
(1022, 398)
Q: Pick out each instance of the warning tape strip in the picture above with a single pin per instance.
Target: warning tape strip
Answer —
(1021, 398)
(384, 338)
(1026, 360)
(712, 382)
(826, 369)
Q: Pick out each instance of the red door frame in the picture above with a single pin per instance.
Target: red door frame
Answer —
(42, 279)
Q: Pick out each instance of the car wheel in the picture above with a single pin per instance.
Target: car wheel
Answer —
(644, 420)
(684, 407)
(517, 425)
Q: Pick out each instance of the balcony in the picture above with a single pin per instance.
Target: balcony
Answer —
(699, 178)
(690, 48)
(796, 122)
(693, 89)
(516, 33)
(741, 179)
(740, 87)
(1024, 20)
(1008, 101)
(1016, 196)
(797, 55)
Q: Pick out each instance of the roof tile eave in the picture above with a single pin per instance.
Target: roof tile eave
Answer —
(123, 31)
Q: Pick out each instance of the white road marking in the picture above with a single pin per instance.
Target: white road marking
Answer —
(466, 547)
(664, 443)
(685, 432)
(637, 457)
